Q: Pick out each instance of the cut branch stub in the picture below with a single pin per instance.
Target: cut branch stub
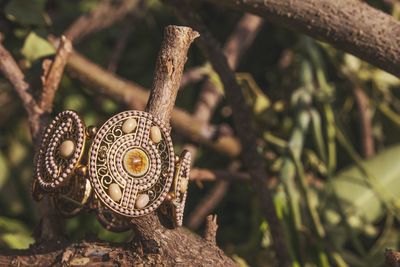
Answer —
(169, 68)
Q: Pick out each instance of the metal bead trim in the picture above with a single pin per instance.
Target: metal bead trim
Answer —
(183, 172)
(111, 221)
(51, 169)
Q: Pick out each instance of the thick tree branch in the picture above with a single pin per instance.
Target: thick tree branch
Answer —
(349, 25)
(167, 77)
(168, 72)
(252, 161)
(98, 253)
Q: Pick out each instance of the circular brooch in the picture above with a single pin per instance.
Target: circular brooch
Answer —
(131, 163)
(60, 151)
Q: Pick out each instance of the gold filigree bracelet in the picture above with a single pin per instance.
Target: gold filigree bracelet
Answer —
(125, 169)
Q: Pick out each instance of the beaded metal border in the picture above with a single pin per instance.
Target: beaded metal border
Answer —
(51, 169)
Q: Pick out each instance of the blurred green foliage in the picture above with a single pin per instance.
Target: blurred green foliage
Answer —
(337, 208)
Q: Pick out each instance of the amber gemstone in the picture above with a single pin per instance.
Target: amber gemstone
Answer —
(136, 162)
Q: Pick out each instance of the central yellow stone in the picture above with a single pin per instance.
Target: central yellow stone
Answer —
(136, 162)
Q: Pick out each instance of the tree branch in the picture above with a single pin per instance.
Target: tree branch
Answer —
(168, 72)
(102, 17)
(206, 175)
(53, 71)
(14, 75)
(210, 231)
(252, 160)
(365, 121)
(135, 96)
(207, 204)
(167, 77)
(349, 25)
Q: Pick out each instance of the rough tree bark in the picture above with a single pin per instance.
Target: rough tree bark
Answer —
(350, 25)
(153, 243)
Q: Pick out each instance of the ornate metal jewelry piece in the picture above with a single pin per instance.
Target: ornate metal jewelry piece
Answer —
(131, 164)
(131, 167)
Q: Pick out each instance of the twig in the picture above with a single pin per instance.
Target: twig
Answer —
(252, 160)
(210, 231)
(367, 139)
(207, 204)
(102, 17)
(242, 38)
(14, 75)
(193, 75)
(207, 175)
(119, 47)
(53, 71)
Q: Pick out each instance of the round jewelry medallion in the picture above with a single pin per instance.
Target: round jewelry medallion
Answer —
(60, 151)
(131, 163)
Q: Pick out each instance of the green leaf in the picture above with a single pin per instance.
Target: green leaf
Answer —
(36, 47)
(357, 196)
(17, 240)
(14, 234)
(26, 12)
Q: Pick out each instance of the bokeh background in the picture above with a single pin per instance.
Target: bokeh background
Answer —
(328, 127)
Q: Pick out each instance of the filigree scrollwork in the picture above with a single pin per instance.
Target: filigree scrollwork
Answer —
(73, 197)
